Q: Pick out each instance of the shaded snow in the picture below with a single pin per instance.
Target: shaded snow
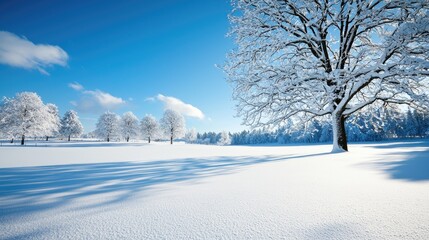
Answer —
(159, 191)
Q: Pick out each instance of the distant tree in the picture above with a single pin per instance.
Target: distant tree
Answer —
(224, 139)
(91, 134)
(173, 124)
(129, 126)
(392, 123)
(24, 115)
(410, 124)
(108, 126)
(191, 135)
(71, 125)
(311, 132)
(213, 137)
(4, 131)
(306, 59)
(149, 127)
(54, 121)
(355, 133)
(422, 123)
(325, 132)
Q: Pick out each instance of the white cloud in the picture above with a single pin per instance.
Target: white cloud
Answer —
(95, 101)
(181, 107)
(104, 99)
(76, 86)
(20, 52)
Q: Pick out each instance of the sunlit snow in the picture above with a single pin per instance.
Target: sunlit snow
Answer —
(94, 190)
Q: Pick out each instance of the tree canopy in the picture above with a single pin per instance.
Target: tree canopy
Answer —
(305, 59)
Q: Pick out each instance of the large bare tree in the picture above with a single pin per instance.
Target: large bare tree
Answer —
(304, 59)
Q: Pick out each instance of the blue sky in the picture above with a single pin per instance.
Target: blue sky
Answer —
(139, 56)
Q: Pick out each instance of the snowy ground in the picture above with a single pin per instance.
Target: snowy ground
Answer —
(139, 191)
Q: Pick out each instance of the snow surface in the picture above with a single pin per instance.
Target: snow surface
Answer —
(161, 191)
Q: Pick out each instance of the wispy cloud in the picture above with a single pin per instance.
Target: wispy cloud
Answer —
(76, 86)
(95, 101)
(181, 107)
(20, 52)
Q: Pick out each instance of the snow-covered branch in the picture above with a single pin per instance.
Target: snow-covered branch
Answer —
(312, 58)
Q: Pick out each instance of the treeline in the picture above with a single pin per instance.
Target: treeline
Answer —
(222, 138)
(25, 115)
(378, 125)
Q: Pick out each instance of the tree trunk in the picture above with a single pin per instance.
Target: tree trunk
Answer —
(339, 133)
(171, 140)
(128, 139)
(149, 139)
(69, 138)
(47, 138)
(108, 138)
(11, 141)
(22, 139)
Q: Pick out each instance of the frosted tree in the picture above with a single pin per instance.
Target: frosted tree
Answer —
(392, 122)
(224, 139)
(149, 127)
(53, 119)
(71, 125)
(129, 126)
(191, 135)
(173, 124)
(305, 59)
(24, 115)
(422, 123)
(4, 131)
(326, 132)
(108, 126)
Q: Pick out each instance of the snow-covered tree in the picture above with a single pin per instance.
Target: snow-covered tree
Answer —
(90, 135)
(71, 125)
(326, 132)
(393, 124)
(422, 123)
(305, 59)
(54, 120)
(129, 126)
(108, 126)
(173, 124)
(191, 135)
(4, 133)
(24, 115)
(224, 139)
(149, 127)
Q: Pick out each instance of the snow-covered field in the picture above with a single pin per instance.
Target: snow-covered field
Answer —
(158, 191)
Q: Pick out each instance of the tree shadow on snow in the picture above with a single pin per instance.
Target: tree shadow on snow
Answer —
(34, 234)
(414, 165)
(25, 190)
(402, 144)
(410, 165)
